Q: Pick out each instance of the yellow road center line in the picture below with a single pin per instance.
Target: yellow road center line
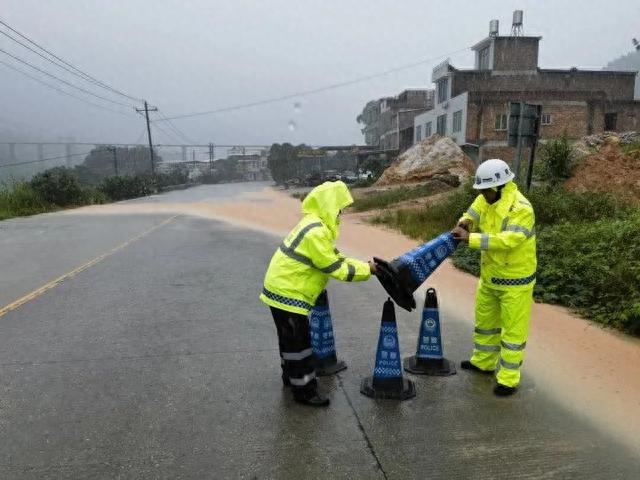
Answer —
(54, 283)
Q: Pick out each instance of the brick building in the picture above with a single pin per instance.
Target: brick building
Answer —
(388, 121)
(471, 105)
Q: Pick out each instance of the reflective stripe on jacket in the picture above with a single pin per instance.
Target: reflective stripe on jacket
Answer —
(307, 258)
(505, 233)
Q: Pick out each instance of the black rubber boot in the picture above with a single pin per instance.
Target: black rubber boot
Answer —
(467, 365)
(313, 400)
(503, 391)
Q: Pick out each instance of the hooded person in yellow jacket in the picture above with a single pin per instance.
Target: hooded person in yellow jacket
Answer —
(501, 223)
(298, 273)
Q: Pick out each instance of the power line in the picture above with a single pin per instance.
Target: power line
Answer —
(180, 133)
(44, 160)
(169, 135)
(62, 91)
(315, 90)
(63, 81)
(81, 73)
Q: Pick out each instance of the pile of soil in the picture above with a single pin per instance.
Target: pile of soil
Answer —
(434, 157)
(609, 170)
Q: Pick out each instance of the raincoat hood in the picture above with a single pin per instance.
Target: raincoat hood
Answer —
(325, 201)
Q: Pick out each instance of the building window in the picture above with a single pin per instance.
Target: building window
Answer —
(441, 125)
(546, 119)
(501, 122)
(442, 87)
(457, 121)
(483, 59)
(419, 133)
(610, 121)
(427, 130)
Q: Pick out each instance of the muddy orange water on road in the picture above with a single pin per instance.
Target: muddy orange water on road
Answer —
(590, 370)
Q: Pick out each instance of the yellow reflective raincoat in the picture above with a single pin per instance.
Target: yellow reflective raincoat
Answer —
(505, 234)
(307, 258)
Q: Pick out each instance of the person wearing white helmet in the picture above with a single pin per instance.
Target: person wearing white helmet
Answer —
(501, 223)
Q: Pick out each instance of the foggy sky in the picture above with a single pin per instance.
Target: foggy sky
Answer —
(193, 55)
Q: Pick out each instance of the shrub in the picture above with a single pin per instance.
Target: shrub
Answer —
(20, 199)
(58, 186)
(123, 188)
(593, 267)
(556, 158)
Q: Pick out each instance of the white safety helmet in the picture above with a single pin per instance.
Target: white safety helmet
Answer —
(492, 173)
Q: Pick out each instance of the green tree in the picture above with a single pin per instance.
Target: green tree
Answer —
(283, 161)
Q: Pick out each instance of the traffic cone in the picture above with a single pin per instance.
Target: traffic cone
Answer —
(429, 359)
(402, 276)
(387, 381)
(322, 341)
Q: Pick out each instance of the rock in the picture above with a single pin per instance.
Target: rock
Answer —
(433, 156)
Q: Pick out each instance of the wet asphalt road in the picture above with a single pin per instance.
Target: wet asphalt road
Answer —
(160, 362)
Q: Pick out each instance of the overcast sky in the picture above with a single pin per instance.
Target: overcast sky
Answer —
(194, 55)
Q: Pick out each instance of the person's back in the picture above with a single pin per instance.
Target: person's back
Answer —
(298, 273)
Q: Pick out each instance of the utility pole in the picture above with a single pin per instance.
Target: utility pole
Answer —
(146, 114)
(211, 155)
(115, 159)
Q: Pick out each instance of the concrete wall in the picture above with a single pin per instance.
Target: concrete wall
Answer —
(515, 53)
(616, 86)
(448, 108)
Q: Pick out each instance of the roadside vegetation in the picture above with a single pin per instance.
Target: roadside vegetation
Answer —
(588, 253)
(60, 187)
(385, 198)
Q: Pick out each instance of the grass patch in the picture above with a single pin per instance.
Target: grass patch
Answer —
(382, 199)
(20, 199)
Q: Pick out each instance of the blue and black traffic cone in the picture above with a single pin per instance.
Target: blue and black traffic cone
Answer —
(429, 359)
(387, 381)
(322, 340)
(402, 276)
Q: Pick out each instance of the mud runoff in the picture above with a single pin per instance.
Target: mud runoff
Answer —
(590, 370)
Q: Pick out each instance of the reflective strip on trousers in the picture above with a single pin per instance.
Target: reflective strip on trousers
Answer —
(486, 348)
(297, 355)
(509, 365)
(514, 346)
(301, 382)
(488, 331)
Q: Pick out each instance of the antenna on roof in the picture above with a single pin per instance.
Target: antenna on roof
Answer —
(516, 27)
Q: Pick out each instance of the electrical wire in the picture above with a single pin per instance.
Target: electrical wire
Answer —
(63, 91)
(44, 160)
(80, 73)
(64, 81)
(315, 90)
(179, 132)
(168, 135)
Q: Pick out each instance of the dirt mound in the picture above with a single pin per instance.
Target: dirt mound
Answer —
(610, 170)
(434, 156)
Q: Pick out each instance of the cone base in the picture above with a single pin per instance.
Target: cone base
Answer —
(429, 366)
(404, 391)
(325, 369)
